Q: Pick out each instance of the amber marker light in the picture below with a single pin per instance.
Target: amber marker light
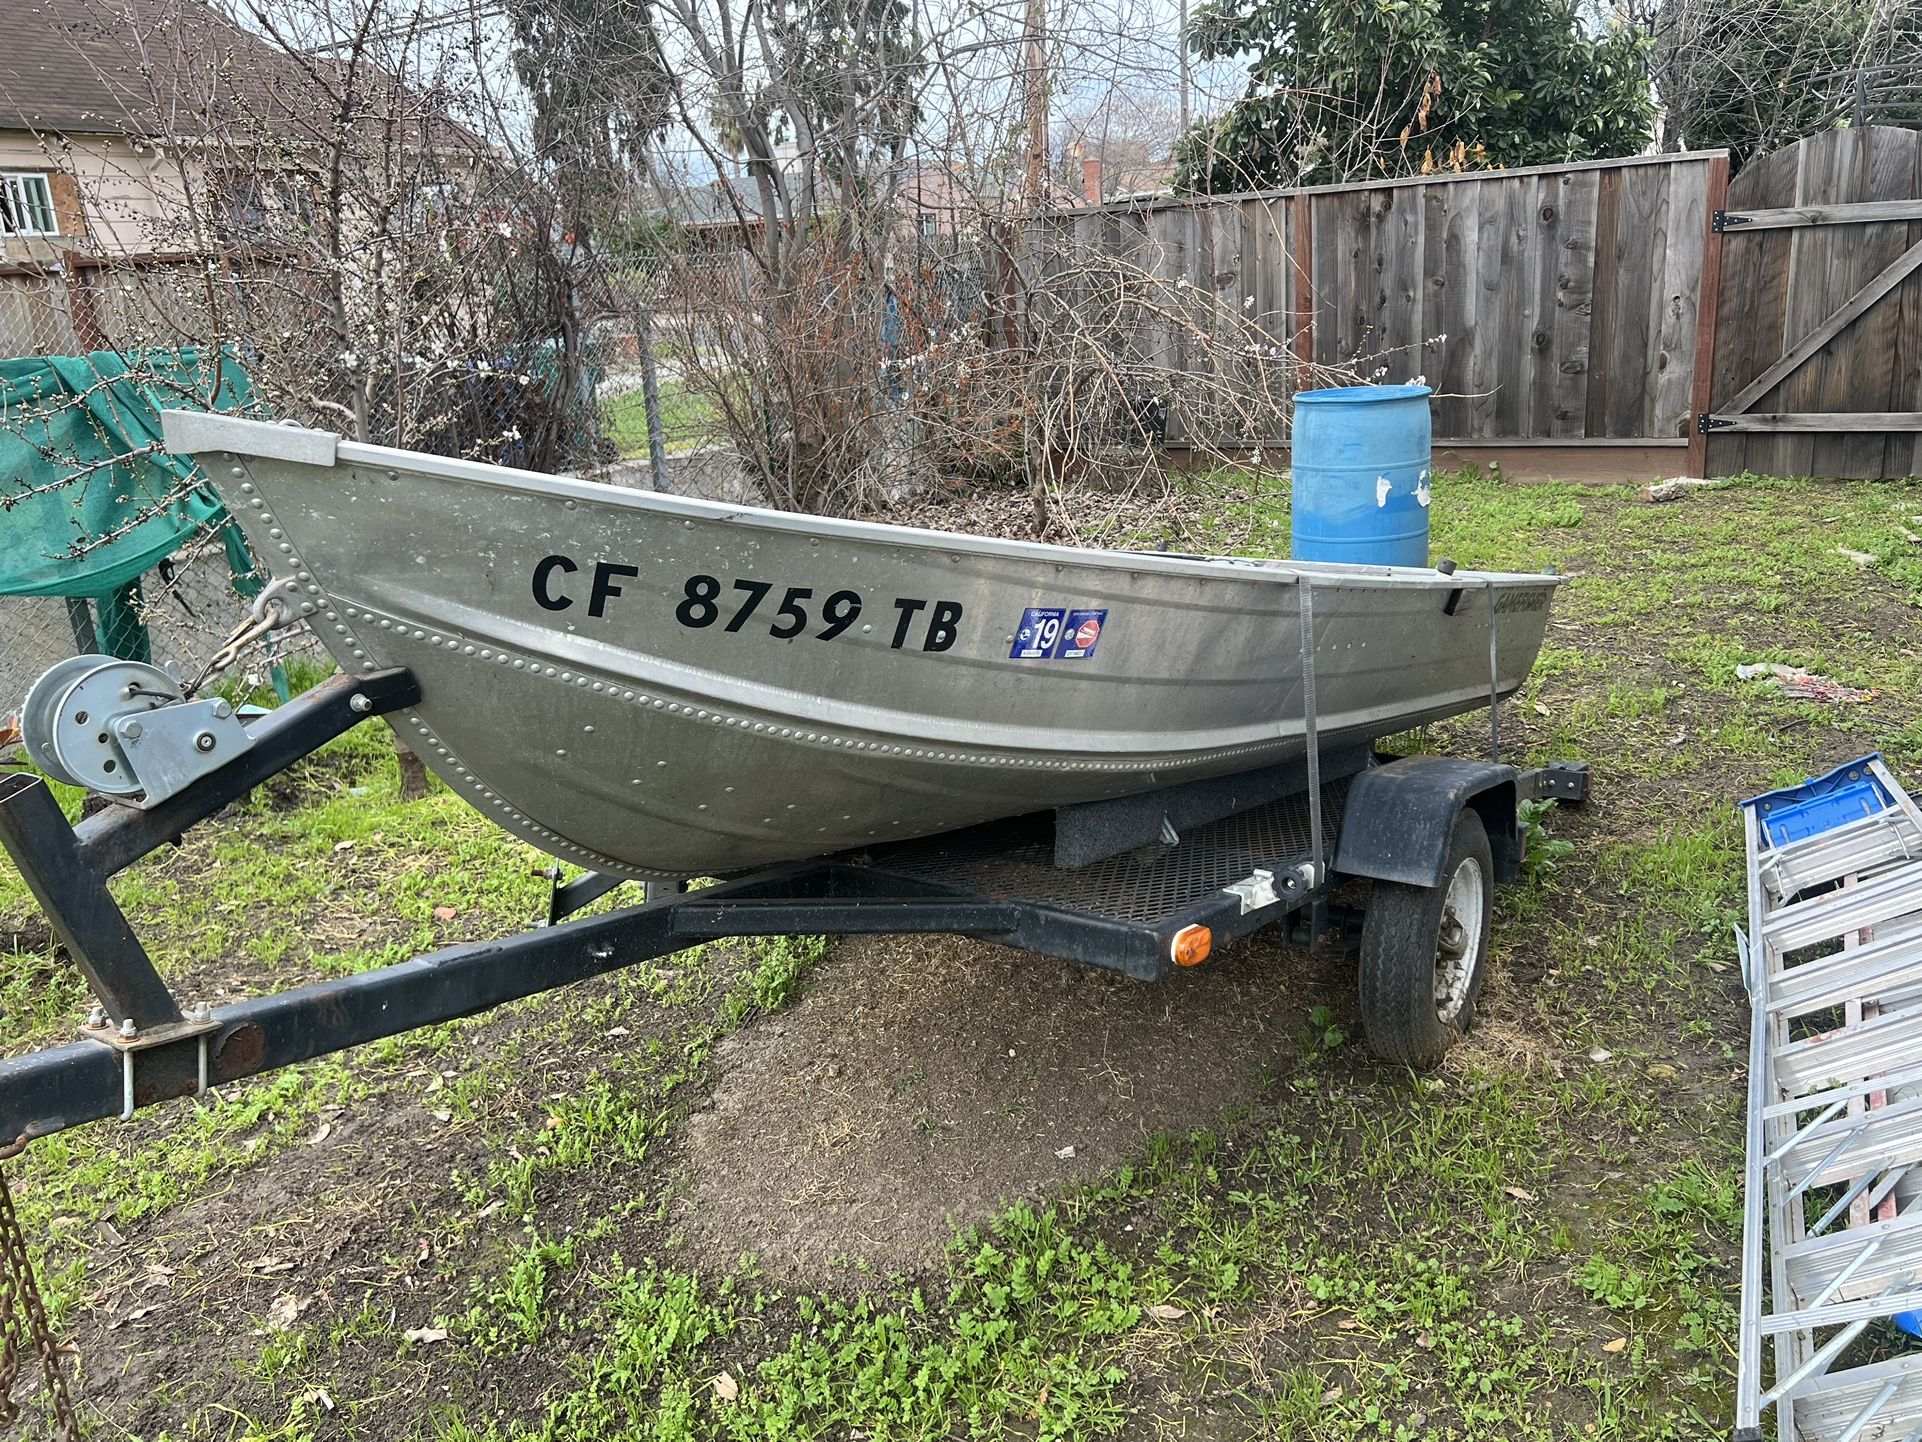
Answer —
(1191, 945)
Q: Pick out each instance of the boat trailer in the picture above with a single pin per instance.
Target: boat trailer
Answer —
(1140, 885)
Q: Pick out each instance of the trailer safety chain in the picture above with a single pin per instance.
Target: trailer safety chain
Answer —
(23, 1321)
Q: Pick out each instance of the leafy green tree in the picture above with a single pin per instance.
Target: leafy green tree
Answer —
(853, 70)
(1349, 89)
(599, 87)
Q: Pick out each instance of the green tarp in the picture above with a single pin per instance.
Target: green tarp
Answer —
(89, 499)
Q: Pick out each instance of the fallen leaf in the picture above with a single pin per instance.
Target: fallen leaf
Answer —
(1540, 710)
(617, 1031)
(318, 1396)
(1347, 1324)
(487, 1211)
(267, 1266)
(1331, 1396)
(424, 1335)
(286, 1311)
(726, 1388)
(1616, 1345)
(1425, 1341)
(134, 1316)
(325, 1131)
(1520, 1194)
(445, 913)
(443, 1116)
(1066, 1154)
(343, 846)
(1167, 1312)
(1600, 1054)
(1662, 1072)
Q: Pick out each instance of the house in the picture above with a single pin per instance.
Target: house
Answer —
(91, 150)
(140, 139)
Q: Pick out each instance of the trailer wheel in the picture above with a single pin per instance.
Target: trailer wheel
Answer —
(1423, 950)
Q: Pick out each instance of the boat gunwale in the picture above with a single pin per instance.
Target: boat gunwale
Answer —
(206, 431)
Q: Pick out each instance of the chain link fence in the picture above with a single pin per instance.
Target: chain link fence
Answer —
(187, 605)
(38, 314)
(632, 296)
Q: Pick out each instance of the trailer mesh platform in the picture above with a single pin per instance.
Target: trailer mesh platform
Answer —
(1013, 861)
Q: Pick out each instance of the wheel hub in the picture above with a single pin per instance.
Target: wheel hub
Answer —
(1457, 939)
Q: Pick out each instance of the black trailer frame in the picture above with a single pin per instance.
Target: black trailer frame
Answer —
(1136, 896)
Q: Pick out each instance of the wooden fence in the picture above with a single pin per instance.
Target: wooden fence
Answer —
(1818, 356)
(1585, 307)
(1553, 305)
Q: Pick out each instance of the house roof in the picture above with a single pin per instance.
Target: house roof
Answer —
(718, 202)
(176, 68)
(75, 66)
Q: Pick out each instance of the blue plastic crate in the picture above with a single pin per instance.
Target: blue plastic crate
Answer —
(1822, 803)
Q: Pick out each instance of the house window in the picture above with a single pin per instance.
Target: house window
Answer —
(928, 224)
(26, 204)
(259, 205)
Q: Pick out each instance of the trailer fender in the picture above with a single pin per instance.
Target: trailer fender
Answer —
(1398, 818)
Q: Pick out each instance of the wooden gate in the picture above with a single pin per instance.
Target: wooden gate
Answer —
(1818, 321)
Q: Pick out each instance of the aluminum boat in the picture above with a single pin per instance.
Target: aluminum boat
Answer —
(659, 686)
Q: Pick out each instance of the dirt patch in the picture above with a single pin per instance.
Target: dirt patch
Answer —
(356, 1213)
(924, 1082)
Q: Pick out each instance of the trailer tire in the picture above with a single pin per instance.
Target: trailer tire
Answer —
(1423, 951)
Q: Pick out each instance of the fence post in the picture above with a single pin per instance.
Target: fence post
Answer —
(651, 399)
(1302, 250)
(1701, 392)
(80, 623)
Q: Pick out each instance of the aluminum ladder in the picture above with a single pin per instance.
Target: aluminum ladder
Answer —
(1833, 963)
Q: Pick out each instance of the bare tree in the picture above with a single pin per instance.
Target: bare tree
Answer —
(411, 221)
(1755, 75)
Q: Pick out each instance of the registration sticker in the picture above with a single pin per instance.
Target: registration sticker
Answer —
(1035, 638)
(1080, 633)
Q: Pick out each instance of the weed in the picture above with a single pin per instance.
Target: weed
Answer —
(1542, 854)
(1324, 1034)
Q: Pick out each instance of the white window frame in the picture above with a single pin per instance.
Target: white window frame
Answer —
(22, 215)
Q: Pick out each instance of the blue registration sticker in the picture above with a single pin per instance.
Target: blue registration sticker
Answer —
(1035, 638)
(1080, 633)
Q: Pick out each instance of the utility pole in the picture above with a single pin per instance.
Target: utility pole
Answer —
(1035, 75)
(1181, 59)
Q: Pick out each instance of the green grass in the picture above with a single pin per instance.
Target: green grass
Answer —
(687, 419)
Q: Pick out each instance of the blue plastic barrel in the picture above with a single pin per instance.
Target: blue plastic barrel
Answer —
(1361, 459)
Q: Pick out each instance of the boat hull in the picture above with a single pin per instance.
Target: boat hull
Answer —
(659, 686)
